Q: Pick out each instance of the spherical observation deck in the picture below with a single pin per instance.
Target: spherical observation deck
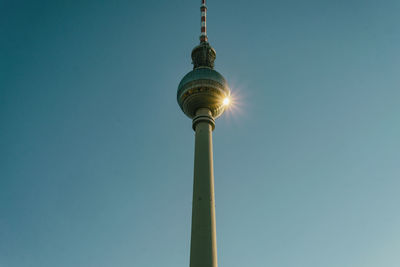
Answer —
(203, 87)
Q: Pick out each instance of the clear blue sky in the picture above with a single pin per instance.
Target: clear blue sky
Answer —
(96, 158)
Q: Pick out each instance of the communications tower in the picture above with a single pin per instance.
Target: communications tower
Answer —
(203, 94)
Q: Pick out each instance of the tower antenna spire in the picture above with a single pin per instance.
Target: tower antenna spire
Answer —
(203, 9)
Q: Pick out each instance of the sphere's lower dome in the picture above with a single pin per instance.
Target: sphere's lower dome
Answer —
(202, 88)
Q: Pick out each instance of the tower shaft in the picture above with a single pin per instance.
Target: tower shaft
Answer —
(203, 248)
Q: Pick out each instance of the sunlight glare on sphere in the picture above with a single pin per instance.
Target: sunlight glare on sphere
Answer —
(226, 101)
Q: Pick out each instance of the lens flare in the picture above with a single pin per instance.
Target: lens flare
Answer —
(235, 110)
(226, 101)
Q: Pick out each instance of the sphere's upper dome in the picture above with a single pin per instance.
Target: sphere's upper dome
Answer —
(202, 88)
(203, 74)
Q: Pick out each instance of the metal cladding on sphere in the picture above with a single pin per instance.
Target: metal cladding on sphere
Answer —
(202, 88)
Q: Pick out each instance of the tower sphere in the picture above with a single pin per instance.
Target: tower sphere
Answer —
(203, 87)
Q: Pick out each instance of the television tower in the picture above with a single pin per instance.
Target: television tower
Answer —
(203, 94)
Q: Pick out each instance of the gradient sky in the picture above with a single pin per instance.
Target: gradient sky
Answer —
(96, 158)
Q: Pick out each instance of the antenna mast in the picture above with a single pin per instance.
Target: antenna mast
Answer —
(203, 9)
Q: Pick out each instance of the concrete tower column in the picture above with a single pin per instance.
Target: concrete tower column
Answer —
(203, 247)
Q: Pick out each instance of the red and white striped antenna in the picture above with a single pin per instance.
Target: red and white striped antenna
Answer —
(203, 9)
